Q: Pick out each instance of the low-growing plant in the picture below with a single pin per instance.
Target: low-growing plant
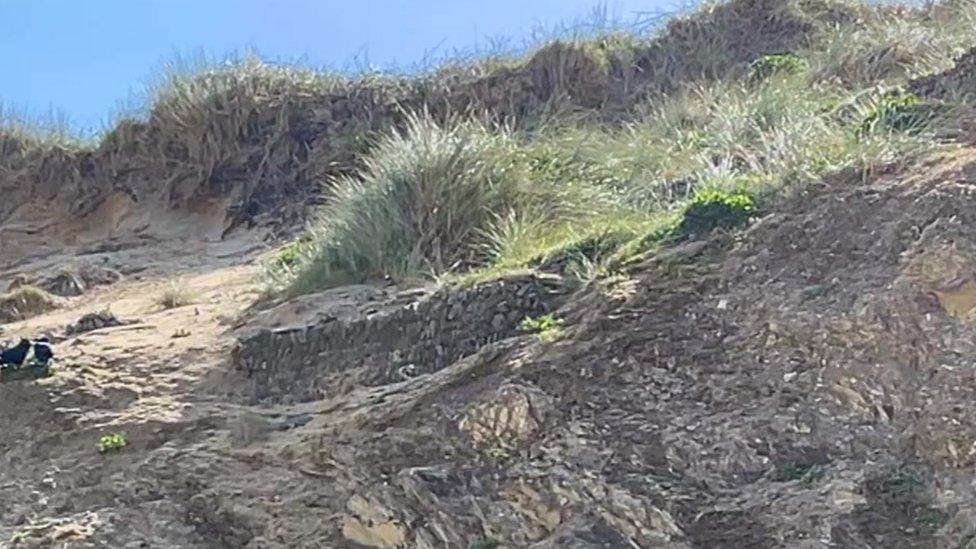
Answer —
(290, 255)
(930, 520)
(900, 112)
(485, 544)
(806, 472)
(431, 200)
(716, 209)
(547, 326)
(112, 442)
(782, 63)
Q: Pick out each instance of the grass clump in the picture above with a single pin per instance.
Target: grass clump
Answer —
(25, 302)
(417, 204)
(465, 201)
(113, 442)
(716, 209)
(784, 63)
(430, 200)
(898, 112)
(547, 327)
(176, 294)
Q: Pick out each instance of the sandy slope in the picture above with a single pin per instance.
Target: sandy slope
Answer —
(806, 384)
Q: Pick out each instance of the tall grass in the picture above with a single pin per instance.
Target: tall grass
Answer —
(468, 198)
(426, 202)
(23, 135)
(673, 115)
(896, 44)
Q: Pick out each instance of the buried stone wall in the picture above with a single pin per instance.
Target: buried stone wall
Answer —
(321, 359)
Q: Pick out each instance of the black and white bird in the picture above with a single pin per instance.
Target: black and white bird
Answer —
(42, 351)
(16, 355)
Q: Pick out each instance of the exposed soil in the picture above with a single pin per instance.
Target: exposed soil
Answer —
(807, 384)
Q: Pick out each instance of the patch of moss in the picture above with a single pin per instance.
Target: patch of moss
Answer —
(716, 209)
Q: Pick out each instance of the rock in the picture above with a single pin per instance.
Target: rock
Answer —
(95, 321)
(369, 523)
(66, 284)
(498, 322)
(507, 420)
(70, 282)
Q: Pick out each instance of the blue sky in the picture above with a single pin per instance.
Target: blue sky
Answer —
(83, 57)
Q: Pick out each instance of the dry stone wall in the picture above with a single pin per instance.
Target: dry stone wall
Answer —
(304, 363)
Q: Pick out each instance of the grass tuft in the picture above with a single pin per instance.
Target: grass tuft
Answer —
(25, 302)
(176, 294)
(898, 112)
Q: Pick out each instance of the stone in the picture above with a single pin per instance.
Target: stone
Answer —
(95, 321)
(498, 322)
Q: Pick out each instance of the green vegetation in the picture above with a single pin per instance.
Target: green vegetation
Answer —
(485, 544)
(31, 370)
(769, 65)
(113, 442)
(805, 472)
(620, 136)
(548, 327)
(899, 112)
(716, 209)
(930, 520)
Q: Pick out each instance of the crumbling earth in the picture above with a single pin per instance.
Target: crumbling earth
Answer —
(807, 383)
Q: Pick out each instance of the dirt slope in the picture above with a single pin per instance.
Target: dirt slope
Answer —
(807, 385)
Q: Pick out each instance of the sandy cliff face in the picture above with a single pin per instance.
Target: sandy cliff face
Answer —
(807, 382)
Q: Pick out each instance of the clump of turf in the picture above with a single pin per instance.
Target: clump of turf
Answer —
(716, 209)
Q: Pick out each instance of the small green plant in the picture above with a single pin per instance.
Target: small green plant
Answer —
(931, 520)
(806, 473)
(901, 112)
(112, 442)
(781, 63)
(906, 480)
(290, 255)
(816, 291)
(485, 544)
(716, 209)
(548, 327)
